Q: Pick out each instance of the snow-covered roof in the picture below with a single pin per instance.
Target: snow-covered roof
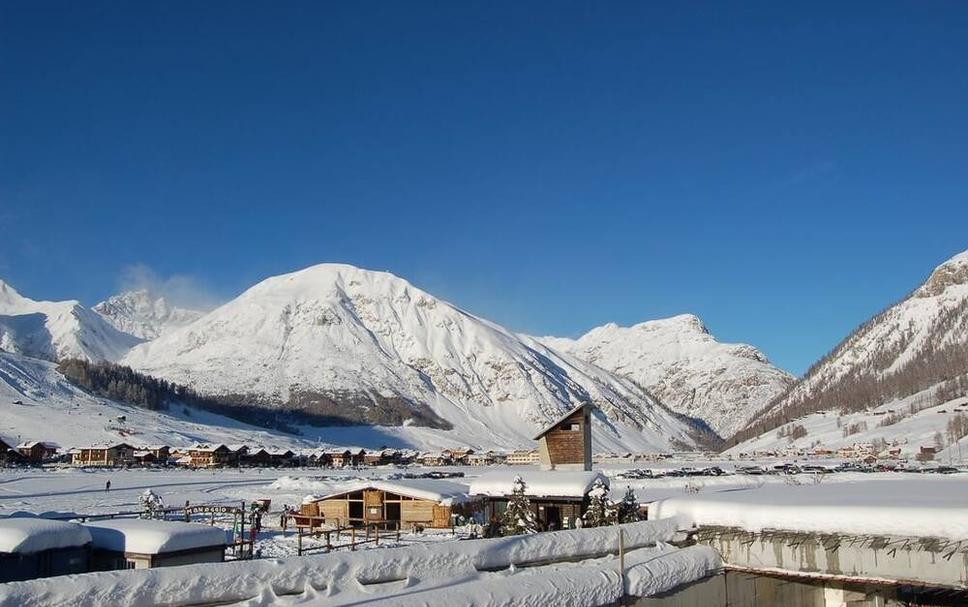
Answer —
(540, 483)
(34, 443)
(153, 537)
(27, 535)
(443, 492)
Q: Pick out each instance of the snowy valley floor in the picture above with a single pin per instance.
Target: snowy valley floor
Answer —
(888, 502)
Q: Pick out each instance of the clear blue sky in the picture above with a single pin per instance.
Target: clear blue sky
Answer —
(782, 171)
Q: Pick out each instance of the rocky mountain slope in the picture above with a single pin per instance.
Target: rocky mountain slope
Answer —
(918, 344)
(53, 330)
(678, 361)
(143, 314)
(362, 347)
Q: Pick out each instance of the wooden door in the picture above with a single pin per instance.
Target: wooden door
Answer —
(373, 505)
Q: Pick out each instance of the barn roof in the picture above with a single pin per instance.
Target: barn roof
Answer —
(552, 425)
(445, 493)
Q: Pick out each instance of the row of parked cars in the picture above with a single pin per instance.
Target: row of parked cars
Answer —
(786, 468)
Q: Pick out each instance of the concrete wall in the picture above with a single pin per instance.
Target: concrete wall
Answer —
(919, 561)
(740, 589)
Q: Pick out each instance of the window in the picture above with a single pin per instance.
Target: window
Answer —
(571, 427)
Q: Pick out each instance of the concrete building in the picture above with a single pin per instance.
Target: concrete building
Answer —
(145, 544)
(34, 547)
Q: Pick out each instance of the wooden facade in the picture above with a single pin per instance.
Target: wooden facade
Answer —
(120, 454)
(567, 443)
(210, 456)
(37, 451)
(380, 506)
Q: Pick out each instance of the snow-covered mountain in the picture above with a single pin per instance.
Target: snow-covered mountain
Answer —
(678, 361)
(54, 330)
(354, 346)
(38, 403)
(918, 344)
(144, 314)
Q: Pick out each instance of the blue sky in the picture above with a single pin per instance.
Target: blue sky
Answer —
(782, 171)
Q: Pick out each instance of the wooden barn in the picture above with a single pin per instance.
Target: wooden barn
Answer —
(427, 502)
(117, 454)
(557, 498)
(567, 443)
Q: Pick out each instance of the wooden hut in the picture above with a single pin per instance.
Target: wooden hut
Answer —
(556, 497)
(566, 444)
(426, 502)
(34, 547)
(145, 544)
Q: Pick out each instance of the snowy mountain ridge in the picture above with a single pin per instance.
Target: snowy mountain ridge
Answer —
(916, 344)
(364, 347)
(143, 314)
(54, 330)
(681, 363)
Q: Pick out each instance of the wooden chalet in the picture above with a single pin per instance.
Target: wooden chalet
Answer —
(110, 455)
(281, 458)
(398, 504)
(37, 451)
(257, 456)
(382, 457)
(566, 444)
(458, 457)
(346, 458)
(521, 457)
(209, 456)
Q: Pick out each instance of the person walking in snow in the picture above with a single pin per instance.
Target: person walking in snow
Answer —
(107, 486)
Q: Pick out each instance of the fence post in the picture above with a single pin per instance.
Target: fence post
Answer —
(299, 542)
(352, 538)
(621, 560)
(376, 530)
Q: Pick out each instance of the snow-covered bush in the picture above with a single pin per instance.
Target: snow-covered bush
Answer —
(519, 518)
(601, 511)
(628, 508)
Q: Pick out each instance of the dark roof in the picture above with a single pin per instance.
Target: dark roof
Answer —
(552, 425)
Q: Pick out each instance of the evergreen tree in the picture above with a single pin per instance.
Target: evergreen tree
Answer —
(628, 508)
(601, 511)
(519, 518)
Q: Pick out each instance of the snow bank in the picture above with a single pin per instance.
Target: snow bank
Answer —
(541, 483)
(660, 573)
(920, 507)
(26, 535)
(333, 575)
(153, 537)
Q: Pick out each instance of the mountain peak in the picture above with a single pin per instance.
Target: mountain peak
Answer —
(144, 314)
(677, 360)
(953, 272)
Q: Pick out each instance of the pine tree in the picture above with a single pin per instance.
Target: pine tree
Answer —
(601, 511)
(628, 508)
(519, 518)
